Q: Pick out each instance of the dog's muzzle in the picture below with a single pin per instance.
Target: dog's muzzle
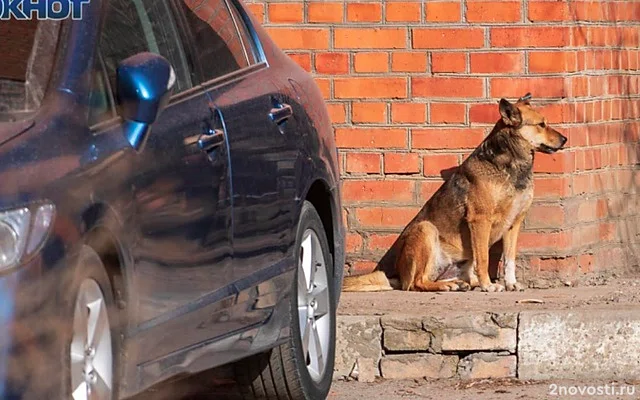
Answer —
(549, 150)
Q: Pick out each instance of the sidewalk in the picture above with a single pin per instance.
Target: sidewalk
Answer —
(584, 332)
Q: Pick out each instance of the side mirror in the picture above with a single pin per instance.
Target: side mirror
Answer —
(144, 83)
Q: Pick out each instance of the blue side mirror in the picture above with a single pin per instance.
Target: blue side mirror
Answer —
(144, 83)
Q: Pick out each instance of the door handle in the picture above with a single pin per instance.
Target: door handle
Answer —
(281, 113)
(210, 141)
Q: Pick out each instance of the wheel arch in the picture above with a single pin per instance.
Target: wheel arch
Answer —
(100, 226)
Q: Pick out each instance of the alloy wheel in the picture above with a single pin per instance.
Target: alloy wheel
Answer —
(313, 305)
(91, 348)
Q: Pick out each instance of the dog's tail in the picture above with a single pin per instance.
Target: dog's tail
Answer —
(376, 281)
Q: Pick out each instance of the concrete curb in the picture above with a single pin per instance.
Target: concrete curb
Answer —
(541, 345)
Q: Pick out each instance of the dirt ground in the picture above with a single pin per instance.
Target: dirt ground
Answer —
(595, 292)
(509, 389)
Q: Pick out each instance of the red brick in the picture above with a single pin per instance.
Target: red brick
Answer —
(579, 86)
(496, 62)
(370, 191)
(548, 11)
(368, 112)
(530, 37)
(409, 61)
(408, 113)
(385, 217)
(428, 188)
(443, 11)
(447, 87)
(484, 113)
(370, 38)
(493, 11)
(447, 38)
(434, 164)
(380, 88)
(364, 12)
(337, 113)
(332, 63)
(544, 241)
(553, 61)
(302, 59)
(300, 38)
(353, 243)
(585, 262)
(448, 62)
(381, 241)
(371, 62)
(586, 234)
(285, 12)
(324, 12)
(449, 138)
(547, 187)
(607, 231)
(324, 84)
(516, 87)
(447, 113)
(587, 11)
(554, 264)
(401, 163)
(545, 216)
(366, 163)
(257, 10)
(402, 12)
(563, 161)
(371, 138)
(361, 267)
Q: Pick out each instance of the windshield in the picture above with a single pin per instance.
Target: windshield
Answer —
(27, 51)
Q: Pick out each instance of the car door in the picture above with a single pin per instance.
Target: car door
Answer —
(181, 194)
(241, 87)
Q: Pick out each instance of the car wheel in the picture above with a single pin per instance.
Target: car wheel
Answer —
(90, 352)
(301, 368)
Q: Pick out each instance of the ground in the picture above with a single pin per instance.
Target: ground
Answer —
(614, 292)
(477, 390)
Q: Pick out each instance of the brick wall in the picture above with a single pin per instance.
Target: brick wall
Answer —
(412, 87)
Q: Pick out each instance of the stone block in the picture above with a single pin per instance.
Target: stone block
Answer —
(404, 334)
(358, 346)
(472, 332)
(487, 365)
(411, 366)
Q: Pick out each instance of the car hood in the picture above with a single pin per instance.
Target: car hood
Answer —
(9, 130)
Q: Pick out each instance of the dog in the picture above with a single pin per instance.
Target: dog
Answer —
(446, 246)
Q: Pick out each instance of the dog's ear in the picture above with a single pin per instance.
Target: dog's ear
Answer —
(525, 99)
(510, 114)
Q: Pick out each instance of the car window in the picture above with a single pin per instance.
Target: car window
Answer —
(217, 40)
(132, 27)
(135, 26)
(29, 50)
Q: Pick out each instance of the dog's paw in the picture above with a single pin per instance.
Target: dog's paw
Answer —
(514, 287)
(493, 287)
(463, 286)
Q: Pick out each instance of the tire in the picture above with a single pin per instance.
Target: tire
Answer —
(282, 373)
(88, 279)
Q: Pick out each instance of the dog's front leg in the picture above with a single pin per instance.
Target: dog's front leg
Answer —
(510, 241)
(480, 231)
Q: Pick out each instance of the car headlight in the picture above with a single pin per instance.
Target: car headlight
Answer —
(22, 231)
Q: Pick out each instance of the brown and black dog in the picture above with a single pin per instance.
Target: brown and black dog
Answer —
(446, 246)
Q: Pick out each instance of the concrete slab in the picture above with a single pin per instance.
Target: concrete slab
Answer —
(575, 333)
(587, 344)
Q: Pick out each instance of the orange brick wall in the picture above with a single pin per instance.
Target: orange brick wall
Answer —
(412, 87)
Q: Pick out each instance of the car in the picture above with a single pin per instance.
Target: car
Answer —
(169, 205)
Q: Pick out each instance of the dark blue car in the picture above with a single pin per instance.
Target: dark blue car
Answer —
(169, 205)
